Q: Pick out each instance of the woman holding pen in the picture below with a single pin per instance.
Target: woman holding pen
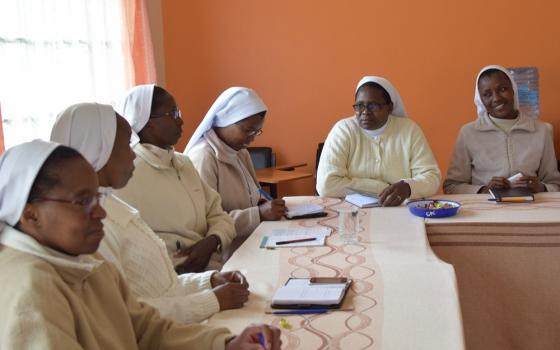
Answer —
(218, 151)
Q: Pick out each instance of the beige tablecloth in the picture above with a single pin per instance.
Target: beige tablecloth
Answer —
(403, 296)
(507, 261)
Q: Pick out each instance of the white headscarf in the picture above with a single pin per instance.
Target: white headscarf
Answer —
(19, 167)
(90, 128)
(480, 109)
(233, 105)
(136, 108)
(398, 105)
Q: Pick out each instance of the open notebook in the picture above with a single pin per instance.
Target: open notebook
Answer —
(302, 293)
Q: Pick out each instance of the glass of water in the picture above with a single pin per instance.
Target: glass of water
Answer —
(348, 224)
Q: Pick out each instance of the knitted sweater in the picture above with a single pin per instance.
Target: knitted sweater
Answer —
(353, 159)
(141, 257)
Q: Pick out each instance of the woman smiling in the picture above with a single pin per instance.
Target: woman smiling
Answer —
(501, 143)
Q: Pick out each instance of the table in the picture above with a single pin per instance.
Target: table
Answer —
(507, 261)
(273, 176)
(404, 297)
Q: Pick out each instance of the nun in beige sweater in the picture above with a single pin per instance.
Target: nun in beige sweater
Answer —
(136, 251)
(218, 151)
(501, 143)
(166, 188)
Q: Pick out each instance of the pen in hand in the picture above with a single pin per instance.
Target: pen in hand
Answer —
(265, 194)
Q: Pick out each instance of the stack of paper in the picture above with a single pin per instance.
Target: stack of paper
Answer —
(303, 210)
(301, 292)
(296, 237)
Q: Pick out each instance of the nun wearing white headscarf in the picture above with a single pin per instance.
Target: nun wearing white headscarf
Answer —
(218, 151)
(379, 150)
(166, 188)
(56, 292)
(129, 243)
(501, 143)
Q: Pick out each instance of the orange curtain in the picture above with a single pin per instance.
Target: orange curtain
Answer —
(140, 41)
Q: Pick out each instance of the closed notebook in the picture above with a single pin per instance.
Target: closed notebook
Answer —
(362, 201)
(302, 293)
(515, 194)
(305, 211)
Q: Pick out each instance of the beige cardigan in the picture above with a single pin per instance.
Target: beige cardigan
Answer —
(483, 150)
(232, 175)
(141, 257)
(353, 159)
(174, 201)
(53, 301)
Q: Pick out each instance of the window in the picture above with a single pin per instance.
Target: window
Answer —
(54, 53)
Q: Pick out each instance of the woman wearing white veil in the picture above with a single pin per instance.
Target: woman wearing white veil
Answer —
(378, 150)
(218, 151)
(501, 143)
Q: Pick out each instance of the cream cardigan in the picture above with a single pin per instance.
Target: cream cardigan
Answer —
(141, 257)
(232, 175)
(53, 301)
(353, 159)
(175, 202)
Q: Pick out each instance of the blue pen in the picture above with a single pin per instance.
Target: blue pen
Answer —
(300, 312)
(261, 340)
(265, 194)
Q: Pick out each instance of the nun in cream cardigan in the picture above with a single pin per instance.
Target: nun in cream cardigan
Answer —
(166, 188)
(378, 150)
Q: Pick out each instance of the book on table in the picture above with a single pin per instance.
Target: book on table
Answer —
(304, 211)
(362, 199)
(512, 195)
(318, 292)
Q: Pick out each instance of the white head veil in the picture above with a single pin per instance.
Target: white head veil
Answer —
(90, 128)
(233, 105)
(19, 167)
(480, 109)
(136, 108)
(398, 105)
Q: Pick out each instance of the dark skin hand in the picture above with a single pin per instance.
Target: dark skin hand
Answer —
(231, 295)
(530, 182)
(395, 194)
(198, 255)
(249, 338)
(272, 210)
(495, 182)
(219, 278)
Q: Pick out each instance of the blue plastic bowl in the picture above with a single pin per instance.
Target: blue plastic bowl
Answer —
(415, 208)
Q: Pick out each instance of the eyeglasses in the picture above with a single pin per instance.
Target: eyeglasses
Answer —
(87, 203)
(249, 132)
(175, 114)
(371, 107)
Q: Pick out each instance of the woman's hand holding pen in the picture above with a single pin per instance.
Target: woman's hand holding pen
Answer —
(257, 337)
(272, 210)
(198, 255)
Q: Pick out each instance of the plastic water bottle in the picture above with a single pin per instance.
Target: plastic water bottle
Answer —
(527, 79)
